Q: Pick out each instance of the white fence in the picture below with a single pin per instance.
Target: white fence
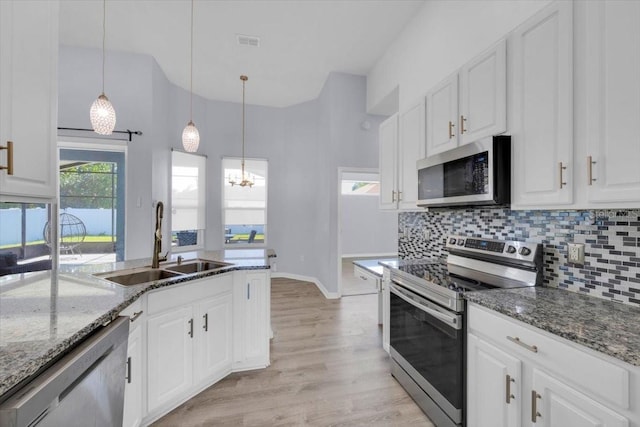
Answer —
(96, 221)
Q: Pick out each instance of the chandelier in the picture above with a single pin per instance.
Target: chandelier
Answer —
(245, 180)
(190, 134)
(102, 113)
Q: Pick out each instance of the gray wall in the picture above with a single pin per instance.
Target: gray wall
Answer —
(365, 229)
(305, 145)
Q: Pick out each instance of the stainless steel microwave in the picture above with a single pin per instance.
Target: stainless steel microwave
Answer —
(476, 174)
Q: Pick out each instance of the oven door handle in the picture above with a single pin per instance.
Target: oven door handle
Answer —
(451, 319)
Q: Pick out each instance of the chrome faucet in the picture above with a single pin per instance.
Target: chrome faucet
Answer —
(157, 238)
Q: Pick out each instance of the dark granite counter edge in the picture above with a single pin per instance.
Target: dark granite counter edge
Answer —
(633, 359)
(21, 377)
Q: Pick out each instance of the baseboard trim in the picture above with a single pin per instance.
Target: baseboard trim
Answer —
(318, 283)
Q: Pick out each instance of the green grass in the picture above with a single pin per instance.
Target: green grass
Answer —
(87, 239)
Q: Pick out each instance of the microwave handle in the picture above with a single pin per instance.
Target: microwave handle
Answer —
(451, 320)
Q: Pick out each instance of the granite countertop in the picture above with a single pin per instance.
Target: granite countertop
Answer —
(608, 327)
(40, 322)
(374, 266)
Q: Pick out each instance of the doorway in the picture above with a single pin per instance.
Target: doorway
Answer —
(364, 231)
(92, 206)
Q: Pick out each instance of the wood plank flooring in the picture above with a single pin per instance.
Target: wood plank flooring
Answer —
(328, 368)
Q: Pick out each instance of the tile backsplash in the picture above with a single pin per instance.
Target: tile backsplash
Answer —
(611, 238)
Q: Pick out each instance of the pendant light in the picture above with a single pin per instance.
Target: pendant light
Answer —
(190, 134)
(102, 113)
(245, 182)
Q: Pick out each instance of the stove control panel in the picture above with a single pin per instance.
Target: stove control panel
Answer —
(523, 251)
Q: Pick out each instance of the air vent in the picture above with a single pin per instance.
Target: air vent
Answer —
(244, 40)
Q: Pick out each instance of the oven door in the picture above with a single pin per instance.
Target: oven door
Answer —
(427, 342)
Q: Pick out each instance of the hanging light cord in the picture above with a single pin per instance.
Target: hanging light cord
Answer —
(104, 35)
(243, 82)
(191, 69)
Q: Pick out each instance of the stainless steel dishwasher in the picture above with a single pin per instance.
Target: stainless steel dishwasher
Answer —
(84, 388)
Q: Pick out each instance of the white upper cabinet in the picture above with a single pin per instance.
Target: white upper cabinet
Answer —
(483, 92)
(411, 149)
(28, 97)
(388, 152)
(442, 116)
(611, 170)
(541, 108)
(470, 104)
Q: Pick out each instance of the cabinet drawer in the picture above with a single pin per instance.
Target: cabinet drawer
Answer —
(188, 293)
(592, 374)
(133, 309)
(363, 274)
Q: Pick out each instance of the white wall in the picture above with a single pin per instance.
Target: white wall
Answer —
(365, 229)
(442, 37)
(305, 145)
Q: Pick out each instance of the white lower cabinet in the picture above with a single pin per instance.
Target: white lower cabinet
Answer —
(132, 416)
(518, 375)
(493, 381)
(386, 314)
(251, 323)
(170, 355)
(214, 352)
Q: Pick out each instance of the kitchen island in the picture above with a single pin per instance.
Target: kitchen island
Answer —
(41, 320)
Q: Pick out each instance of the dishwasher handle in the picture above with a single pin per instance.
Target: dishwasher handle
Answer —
(36, 398)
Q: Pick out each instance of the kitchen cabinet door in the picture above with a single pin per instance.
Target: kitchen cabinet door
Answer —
(132, 416)
(213, 356)
(541, 108)
(442, 116)
(411, 148)
(388, 149)
(28, 97)
(611, 169)
(483, 95)
(493, 386)
(251, 332)
(555, 404)
(170, 356)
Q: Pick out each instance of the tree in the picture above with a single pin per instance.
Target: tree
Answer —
(88, 185)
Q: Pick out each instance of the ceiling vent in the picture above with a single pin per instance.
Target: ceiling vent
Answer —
(244, 40)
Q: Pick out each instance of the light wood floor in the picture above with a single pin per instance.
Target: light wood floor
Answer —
(328, 368)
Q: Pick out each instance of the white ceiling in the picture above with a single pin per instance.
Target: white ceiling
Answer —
(301, 40)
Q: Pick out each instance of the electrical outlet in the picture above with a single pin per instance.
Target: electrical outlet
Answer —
(575, 253)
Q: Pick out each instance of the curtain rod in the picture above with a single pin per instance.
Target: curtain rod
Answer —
(128, 132)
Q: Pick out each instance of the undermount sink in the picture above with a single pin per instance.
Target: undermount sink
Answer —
(138, 277)
(197, 266)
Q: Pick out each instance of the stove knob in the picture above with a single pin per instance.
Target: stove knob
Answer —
(525, 251)
(511, 249)
(461, 242)
(452, 241)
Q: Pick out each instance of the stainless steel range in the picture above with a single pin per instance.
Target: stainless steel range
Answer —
(427, 324)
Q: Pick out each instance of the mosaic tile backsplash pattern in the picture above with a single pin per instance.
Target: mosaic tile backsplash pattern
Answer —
(611, 238)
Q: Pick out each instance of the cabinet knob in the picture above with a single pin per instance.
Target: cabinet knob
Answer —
(9, 148)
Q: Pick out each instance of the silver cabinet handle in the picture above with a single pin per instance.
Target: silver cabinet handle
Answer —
(190, 333)
(534, 406)
(129, 370)
(136, 314)
(393, 195)
(508, 381)
(516, 340)
(590, 164)
(206, 322)
(248, 291)
(399, 196)
(363, 277)
(562, 181)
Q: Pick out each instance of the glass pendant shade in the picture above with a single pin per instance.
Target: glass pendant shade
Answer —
(103, 116)
(190, 138)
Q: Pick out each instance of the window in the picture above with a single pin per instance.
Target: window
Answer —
(244, 208)
(360, 184)
(187, 200)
